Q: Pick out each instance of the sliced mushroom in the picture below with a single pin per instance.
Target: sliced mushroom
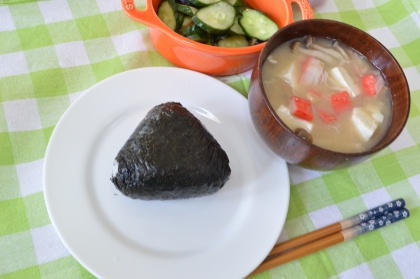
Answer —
(337, 55)
(336, 45)
(297, 47)
(303, 134)
(308, 41)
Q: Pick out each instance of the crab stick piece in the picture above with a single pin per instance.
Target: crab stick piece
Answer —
(369, 85)
(341, 102)
(326, 116)
(301, 108)
(312, 72)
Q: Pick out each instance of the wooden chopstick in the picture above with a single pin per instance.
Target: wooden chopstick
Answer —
(333, 239)
(337, 227)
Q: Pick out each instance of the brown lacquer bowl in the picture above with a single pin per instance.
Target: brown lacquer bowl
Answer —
(287, 144)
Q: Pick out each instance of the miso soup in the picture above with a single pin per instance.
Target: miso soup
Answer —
(328, 93)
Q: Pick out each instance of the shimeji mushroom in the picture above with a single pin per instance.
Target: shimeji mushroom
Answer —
(298, 48)
(337, 46)
(309, 42)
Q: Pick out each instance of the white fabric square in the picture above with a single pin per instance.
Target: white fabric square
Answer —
(22, 115)
(72, 54)
(74, 96)
(325, 216)
(376, 198)
(385, 36)
(404, 140)
(323, 6)
(16, 64)
(55, 10)
(415, 182)
(30, 177)
(107, 6)
(128, 42)
(299, 175)
(362, 5)
(283, 236)
(7, 23)
(412, 77)
(247, 74)
(47, 244)
(360, 271)
(409, 266)
(416, 19)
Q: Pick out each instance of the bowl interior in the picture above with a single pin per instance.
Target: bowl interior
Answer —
(279, 11)
(366, 45)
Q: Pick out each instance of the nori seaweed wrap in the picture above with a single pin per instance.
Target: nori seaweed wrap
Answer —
(170, 155)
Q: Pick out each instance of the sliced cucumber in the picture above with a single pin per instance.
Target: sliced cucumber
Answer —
(215, 18)
(188, 10)
(184, 2)
(236, 29)
(214, 38)
(181, 18)
(187, 22)
(239, 10)
(203, 3)
(237, 3)
(168, 13)
(257, 25)
(234, 41)
(195, 33)
(253, 42)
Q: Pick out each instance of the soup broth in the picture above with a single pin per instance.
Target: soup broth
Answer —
(328, 93)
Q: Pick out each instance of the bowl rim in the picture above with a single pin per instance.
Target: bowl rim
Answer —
(372, 150)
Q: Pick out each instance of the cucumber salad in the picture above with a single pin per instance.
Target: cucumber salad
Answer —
(223, 23)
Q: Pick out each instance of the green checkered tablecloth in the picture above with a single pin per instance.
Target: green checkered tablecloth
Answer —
(52, 51)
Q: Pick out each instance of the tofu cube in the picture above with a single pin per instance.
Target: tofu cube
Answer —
(289, 75)
(366, 121)
(292, 122)
(342, 79)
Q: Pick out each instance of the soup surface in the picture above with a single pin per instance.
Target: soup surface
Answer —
(328, 93)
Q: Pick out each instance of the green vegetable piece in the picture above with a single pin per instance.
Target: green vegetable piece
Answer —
(238, 3)
(236, 29)
(168, 13)
(234, 41)
(215, 18)
(203, 3)
(257, 25)
(187, 22)
(194, 33)
(188, 10)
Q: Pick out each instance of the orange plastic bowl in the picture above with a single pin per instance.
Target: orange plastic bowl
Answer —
(204, 58)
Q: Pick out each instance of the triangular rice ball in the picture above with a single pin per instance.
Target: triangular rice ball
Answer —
(170, 155)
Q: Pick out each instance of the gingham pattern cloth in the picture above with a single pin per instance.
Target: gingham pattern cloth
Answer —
(52, 51)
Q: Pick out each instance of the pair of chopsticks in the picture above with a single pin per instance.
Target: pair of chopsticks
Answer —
(341, 231)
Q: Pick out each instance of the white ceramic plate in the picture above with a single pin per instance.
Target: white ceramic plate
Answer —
(225, 235)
